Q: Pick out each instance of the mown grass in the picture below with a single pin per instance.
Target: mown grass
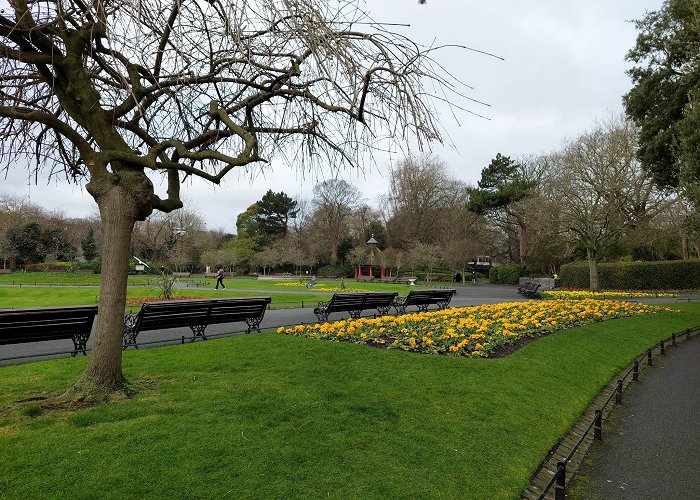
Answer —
(25, 297)
(272, 416)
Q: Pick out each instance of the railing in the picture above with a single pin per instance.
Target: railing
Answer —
(558, 480)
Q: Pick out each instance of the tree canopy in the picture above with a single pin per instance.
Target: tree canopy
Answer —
(665, 99)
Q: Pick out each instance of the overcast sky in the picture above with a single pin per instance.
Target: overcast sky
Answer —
(564, 67)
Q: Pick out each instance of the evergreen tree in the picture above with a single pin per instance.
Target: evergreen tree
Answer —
(89, 245)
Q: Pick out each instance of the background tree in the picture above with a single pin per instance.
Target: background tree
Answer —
(334, 202)
(89, 245)
(26, 244)
(501, 189)
(597, 175)
(421, 192)
(665, 99)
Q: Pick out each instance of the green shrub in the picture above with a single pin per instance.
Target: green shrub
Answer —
(334, 271)
(659, 275)
(48, 266)
(506, 274)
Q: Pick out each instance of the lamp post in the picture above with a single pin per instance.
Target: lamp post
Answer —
(372, 244)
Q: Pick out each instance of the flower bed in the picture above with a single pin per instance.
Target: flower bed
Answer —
(138, 301)
(471, 331)
(321, 287)
(608, 294)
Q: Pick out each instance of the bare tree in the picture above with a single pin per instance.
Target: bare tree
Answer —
(421, 194)
(109, 92)
(603, 188)
(334, 202)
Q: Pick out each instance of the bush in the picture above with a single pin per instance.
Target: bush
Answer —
(506, 274)
(660, 275)
(334, 271)
(93, 265)
(48, 266)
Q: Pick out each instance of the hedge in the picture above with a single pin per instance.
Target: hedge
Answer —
(506, 274)
(48, 266)
(659, 275)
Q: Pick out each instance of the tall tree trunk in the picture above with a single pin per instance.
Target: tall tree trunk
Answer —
(334, 252)
(103, 374)
(593, 269)
(522, 242)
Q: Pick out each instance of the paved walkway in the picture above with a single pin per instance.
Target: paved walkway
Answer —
(651, 446)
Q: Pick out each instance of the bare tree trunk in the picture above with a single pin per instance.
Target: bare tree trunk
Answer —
(593, 269)
(522, 242)
(334, 252)
(103, 375)
(684, 247)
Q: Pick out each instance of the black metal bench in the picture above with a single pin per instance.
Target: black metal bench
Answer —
(355, 303)
(196, 314)
(18, 326)
(424, 299)
(529, 289)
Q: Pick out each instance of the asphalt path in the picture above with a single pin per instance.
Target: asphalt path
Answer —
(651, 446)
(36, 351)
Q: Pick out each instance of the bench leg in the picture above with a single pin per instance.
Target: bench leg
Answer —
(355, 314)
(383, 310)
(322, 316)
(253, 323)
(400, 309)
(423, 308)
(130, 339)
(443, 305)
(79, 342)
(198, 331)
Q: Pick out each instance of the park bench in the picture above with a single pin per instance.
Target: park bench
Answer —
(529, 289)
(388, 279)
(365, 278)
(424, 299)
(355, 303)
(196, 314)
(182, 275)
(18, 326)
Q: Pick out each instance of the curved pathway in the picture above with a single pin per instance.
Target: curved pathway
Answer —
(651, 446)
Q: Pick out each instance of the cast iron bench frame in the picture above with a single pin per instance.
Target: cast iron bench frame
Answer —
(19, 326)
(529, 289)
(424, 299)
(355, 303)
(196, 314)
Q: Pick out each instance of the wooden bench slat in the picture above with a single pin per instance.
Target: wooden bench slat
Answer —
(423, 299)
(41, 324)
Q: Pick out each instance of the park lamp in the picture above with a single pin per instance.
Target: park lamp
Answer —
(372, 243)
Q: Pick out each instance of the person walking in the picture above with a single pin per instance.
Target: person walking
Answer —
(220, 278)
(473, 278)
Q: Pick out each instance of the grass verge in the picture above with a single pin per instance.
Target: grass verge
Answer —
(272, 416)
(37, 296)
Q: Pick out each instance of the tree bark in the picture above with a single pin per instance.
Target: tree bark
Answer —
(593, 269)
(522, 242)
(120, 207)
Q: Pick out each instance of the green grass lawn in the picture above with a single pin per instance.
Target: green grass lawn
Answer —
(65, 289)
(14, 297)
(273, 416)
